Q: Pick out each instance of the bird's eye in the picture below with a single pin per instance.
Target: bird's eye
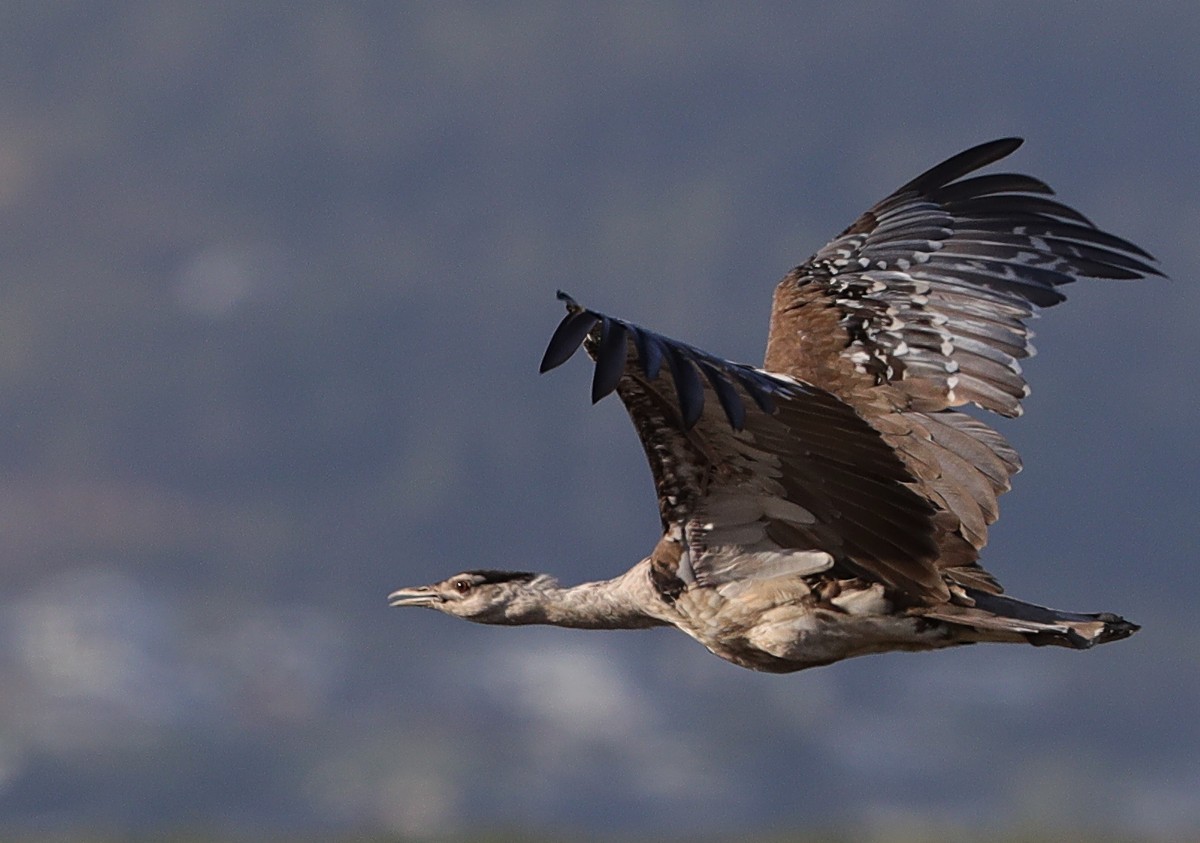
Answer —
(462, 586)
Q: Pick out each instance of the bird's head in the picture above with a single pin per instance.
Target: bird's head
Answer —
(480, 596)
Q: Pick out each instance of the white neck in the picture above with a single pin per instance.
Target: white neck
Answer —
(626, 602)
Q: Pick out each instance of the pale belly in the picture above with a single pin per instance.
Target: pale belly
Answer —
(781, 637)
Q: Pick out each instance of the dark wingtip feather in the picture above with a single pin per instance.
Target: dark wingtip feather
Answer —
(610, 358)
(990, 185)
(1010, 205)
(731, 402)
(687, 387)
(649, 351)
(762, 397)
(567, 336)
(964, 162)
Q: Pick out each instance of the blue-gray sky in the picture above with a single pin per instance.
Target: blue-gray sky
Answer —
(274, 282)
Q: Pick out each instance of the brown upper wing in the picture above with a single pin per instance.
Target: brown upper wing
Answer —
(929, 291)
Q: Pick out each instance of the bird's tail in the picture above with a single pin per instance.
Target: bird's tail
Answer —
(995, 617)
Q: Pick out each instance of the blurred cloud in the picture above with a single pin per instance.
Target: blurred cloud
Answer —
(219, 278)
(578, 702)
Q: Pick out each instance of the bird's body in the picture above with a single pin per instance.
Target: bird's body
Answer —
(834, 503)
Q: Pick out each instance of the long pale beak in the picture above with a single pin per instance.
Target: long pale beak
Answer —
(420, 596)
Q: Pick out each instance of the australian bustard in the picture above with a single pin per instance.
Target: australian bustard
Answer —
(834, 502)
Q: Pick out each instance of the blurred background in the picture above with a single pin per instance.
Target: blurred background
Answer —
(274, 282)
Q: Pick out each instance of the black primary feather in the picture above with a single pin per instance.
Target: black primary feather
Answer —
(964, 162)
(567, 338)
(609, 340)
(610, 358)
(687, 387)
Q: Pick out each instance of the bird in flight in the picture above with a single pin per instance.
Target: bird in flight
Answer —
(835, 501)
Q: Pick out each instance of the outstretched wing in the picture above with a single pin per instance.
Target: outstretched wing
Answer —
(921, 305)
(758, 475)
(929, 291)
